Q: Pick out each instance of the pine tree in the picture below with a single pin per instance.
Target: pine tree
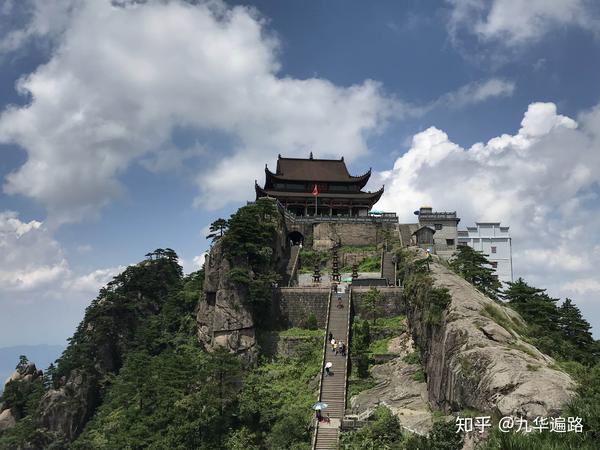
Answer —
(534, 305)
(474, 267)
(577, 330)
(217, 229)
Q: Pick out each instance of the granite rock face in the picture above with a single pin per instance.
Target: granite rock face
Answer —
(222, 317)
(398, 390)
(475, 358)
(67, 409)
(23, 378)
(7, 420)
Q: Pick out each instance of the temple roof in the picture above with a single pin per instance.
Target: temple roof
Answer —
(301, 169)
(370, 196)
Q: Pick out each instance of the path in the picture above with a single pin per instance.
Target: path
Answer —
(333, 388)
(387, 268)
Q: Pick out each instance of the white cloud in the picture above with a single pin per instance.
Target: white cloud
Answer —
(33, 262)
(122, 79)
(478, 92)
(93, 281)
(583, 286)
(516, 22)
(46, 19)
(542, 181)
(195, 264)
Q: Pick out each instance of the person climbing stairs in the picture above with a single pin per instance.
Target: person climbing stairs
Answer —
(333, 386)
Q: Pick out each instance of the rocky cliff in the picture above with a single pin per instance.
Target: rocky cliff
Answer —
(19, 385)
(226, 314)
(475, 357)
(223, 317)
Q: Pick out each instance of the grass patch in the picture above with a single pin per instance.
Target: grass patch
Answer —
(533, 367)
(521, 347)
(379, 347)
(368, 264)
(419, 376)
(296, 332)
(498, 316)
(394, 323)
(358, 385)
(310, 258)
(412, 358)
(357, 248)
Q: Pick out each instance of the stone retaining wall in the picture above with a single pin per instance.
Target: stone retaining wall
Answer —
(294, 305)
(393, 301)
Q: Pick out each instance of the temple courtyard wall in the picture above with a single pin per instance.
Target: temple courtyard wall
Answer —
(322, 236)
(294, 305)
(392, 304)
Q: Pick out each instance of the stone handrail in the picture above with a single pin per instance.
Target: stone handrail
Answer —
(314, 439)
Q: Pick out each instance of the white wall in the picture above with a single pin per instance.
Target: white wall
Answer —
(483, 237)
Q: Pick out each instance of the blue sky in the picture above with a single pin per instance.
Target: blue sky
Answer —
(128, 127)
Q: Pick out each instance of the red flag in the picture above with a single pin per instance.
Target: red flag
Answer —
(315, 191)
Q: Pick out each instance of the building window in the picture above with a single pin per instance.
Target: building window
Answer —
(494, 264)
(449, 242)
(438, 226)
(493, 249)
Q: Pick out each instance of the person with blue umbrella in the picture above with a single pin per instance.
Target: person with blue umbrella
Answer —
(318, 407)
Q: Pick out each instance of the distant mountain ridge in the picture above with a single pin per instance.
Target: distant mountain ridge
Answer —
(42, 355)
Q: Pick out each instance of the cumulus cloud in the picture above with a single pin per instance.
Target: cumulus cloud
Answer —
(32, 262)
(195, 264)
(541, 181)
(478, 92)
(516, 22)
(123, 78)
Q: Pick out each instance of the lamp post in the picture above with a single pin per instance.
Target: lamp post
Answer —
(395, 261)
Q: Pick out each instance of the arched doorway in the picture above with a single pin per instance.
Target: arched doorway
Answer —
(296, 238)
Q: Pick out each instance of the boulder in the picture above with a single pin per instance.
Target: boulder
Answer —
(66, 410)
(7, 420)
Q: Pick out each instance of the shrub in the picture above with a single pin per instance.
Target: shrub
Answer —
(311, 322)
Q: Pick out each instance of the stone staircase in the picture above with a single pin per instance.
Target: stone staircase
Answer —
(292, 267)
(333, 388)
(387, 268)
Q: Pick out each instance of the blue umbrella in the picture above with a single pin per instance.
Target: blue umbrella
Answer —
(319, 405)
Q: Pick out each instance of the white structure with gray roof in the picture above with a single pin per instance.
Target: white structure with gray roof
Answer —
(494, 241)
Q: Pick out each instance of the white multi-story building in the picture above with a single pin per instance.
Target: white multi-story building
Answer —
(494, 241)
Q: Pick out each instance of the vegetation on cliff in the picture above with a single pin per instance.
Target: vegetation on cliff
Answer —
(151, 385)
(248, 244)
(385, 432)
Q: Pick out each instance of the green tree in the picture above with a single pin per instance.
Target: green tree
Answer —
(371, 302)
(577, 331)
(217, 229)
(534, 305)
(474, 267)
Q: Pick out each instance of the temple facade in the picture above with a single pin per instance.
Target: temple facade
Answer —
(318, 187)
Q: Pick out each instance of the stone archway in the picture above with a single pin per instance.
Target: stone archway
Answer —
(296, 238)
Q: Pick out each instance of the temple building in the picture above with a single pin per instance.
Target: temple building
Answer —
(324, 187)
